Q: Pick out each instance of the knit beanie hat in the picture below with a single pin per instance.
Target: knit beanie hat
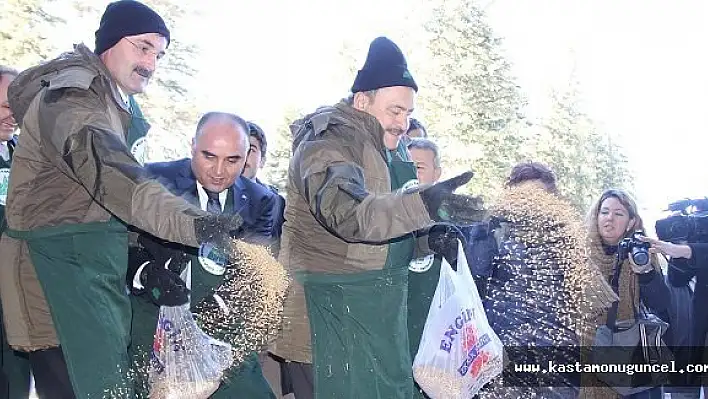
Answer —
(385, 66)
(127, 18)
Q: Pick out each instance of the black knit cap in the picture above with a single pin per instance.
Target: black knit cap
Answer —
(127, 18)
(385, 66)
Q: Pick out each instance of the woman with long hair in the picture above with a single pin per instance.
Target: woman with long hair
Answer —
(611, 219)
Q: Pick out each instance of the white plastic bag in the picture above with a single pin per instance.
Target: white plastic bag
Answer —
(458, 353)
(185, 363)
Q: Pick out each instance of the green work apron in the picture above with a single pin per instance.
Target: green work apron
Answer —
(15, 381)
(359, 321)
(137, 142)
(421, 288)
(81, 268)
(423, 276)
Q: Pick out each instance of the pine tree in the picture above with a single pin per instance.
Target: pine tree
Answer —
(26, 28)
(474, 106)
(585, 159)
(280, 151)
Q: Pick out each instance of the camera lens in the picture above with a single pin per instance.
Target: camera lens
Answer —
(640, 256)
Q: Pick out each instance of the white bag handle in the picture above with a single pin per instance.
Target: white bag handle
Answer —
(450, 280)
(462, 275)
(465, 279)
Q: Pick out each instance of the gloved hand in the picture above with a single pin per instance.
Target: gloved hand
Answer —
(443, 240)
(171, 255)
(445, 206)
(159, 267)
(163, 286)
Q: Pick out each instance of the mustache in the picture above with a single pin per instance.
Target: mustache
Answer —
(9, 121)
(144, 72)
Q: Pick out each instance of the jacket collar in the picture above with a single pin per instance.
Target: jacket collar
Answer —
(96, 61)
(80, 68)
(185, 180)
(364, 122)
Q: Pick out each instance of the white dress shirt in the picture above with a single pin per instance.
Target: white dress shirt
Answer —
(4, 151)
(204, 198)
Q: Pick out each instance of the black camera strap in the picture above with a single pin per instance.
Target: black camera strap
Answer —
(614, 283)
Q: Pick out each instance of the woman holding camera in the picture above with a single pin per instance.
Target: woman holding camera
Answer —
(612, 219)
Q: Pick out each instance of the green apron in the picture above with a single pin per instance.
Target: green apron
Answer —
(15, 381)
(81, 268)
(422, 282)
(82, 271)
(136, 132)
(421, 288)
(359, 321)
(246, 381)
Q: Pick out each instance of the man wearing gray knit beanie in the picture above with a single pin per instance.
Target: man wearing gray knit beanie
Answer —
(74, 189)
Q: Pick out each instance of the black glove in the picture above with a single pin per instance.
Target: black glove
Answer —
(163, 262)
(171, 255)
(163, 286)
(443, 240)
(443, 205)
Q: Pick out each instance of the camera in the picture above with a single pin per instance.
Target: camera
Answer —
(637, 249)
(689, 223)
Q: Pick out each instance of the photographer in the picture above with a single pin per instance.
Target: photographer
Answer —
(613, 219)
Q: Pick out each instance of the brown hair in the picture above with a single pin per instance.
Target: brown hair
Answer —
(527, 171)
(626, 200)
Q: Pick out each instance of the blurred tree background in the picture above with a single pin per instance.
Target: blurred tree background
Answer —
(471, 102)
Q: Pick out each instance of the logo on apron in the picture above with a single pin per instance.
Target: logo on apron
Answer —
(211, 259)
(139, 150)
(4, 183)
(410, 184)
(421, 265)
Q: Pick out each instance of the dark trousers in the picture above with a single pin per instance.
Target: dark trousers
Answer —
(297, 378)
(14, 374)
(51, 377)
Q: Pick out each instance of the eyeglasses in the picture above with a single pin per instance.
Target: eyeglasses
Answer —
(146, 50)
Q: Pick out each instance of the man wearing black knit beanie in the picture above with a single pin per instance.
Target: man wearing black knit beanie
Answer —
(349, 235)
(75, 186)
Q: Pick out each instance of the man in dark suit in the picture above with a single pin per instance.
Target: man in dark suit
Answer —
(214, 171)
(210, 179)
